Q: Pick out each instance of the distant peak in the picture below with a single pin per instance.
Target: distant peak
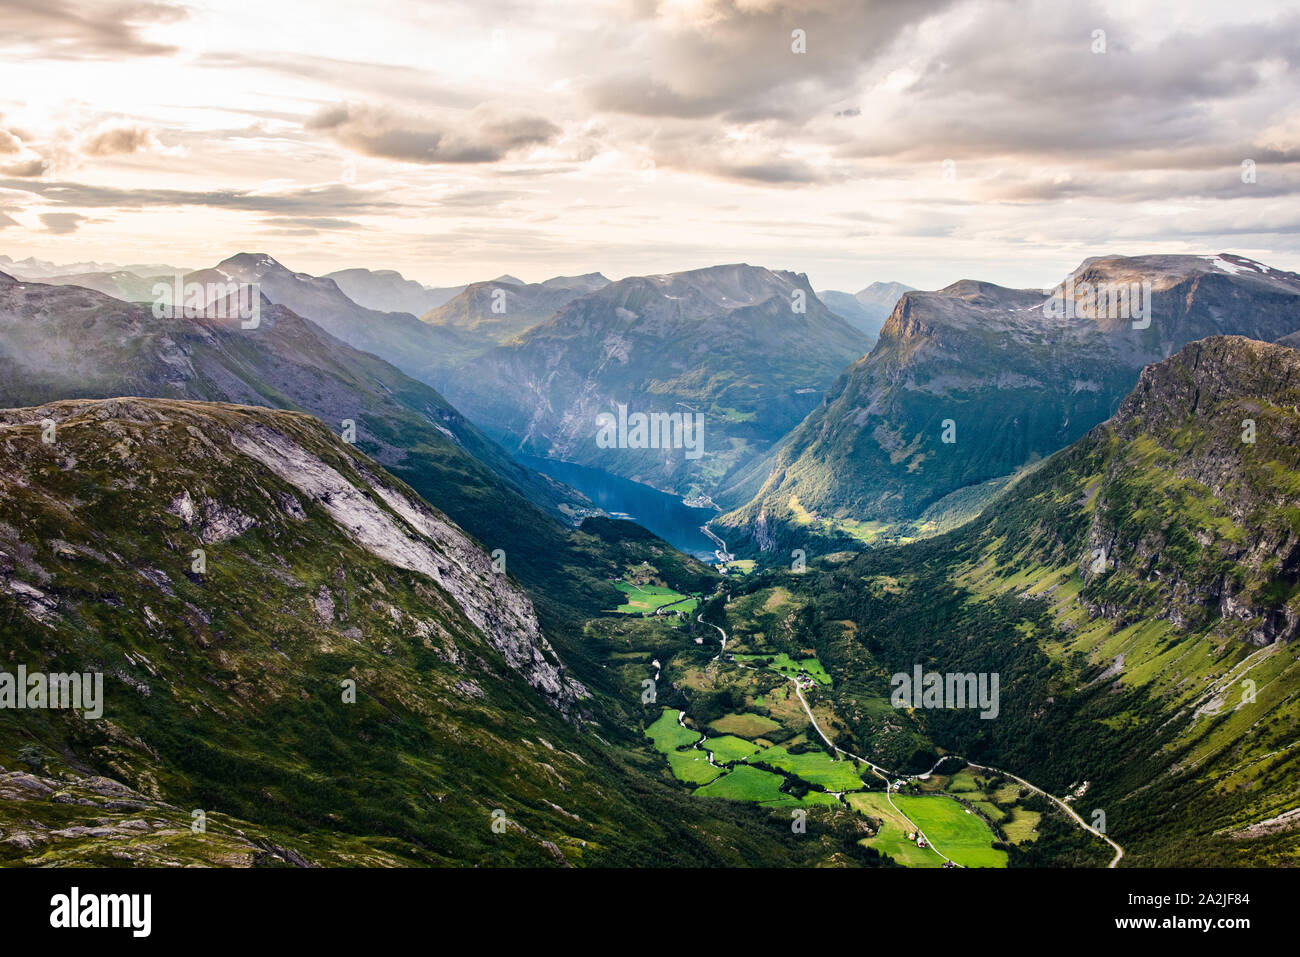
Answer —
(973, 288)
(259, 262)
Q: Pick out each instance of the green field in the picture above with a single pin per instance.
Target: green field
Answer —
(788, 666)
(963, 782)
(746, 784)
(815, 767)
(730, 748)
(645, 599)
(668, 735)
(745, 725)
(692, 767)
(1020, 826)
(963, 837)
(811, 799)
(892, 839)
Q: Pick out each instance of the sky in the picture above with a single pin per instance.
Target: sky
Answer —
(922, 141)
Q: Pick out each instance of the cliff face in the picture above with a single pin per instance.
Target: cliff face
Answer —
(1185, 505)
(1218, 422)
(208, 470)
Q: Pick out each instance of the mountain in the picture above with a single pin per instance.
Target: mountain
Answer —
(389, 291)
(1138, 599)
(1011, 375)
(1166, 546)
(63, 342)
(748, 349)
(1188, 510)
(120, 284)
(499, 310)
(34, 268)
(416, 348)
(303, 663)
(881, 297)
(39, 269)
(867, 309)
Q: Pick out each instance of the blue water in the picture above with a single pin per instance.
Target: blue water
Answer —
(663, 514)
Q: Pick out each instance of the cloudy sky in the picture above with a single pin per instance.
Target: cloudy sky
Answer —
(915, 141)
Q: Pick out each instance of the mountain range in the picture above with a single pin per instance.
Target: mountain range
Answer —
(974, 382)
(338, 618)
(748, 349)
(503, 308)
(387, 290)
(65, 342)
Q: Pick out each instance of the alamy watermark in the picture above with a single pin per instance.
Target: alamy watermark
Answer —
(179, 299)
(651, 430)
(930, 689)
(133, 912)
(36, 690)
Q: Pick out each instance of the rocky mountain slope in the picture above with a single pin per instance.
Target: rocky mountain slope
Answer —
(1166, 543)
(747, 348)
(1005, 379)
(1184, 506)
(303, 663)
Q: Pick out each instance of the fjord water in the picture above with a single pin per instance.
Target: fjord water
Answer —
(664, 514)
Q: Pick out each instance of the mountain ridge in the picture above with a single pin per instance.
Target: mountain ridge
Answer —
(746, 347)
(1015, 382)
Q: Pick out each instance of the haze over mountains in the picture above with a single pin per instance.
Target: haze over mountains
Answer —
(64, 342)
(389, 291)
(749, 349)
(868, 308)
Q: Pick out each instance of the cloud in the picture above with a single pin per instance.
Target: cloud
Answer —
(33, 168)
(62, 223)
(84, 29)
(121, 140)
(1020, 80)
(311, 201)
(485, 134)
(10, 143)
(734, 59)
(479, 198)
(313, 223)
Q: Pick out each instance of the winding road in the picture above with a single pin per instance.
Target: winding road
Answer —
(886, 775)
